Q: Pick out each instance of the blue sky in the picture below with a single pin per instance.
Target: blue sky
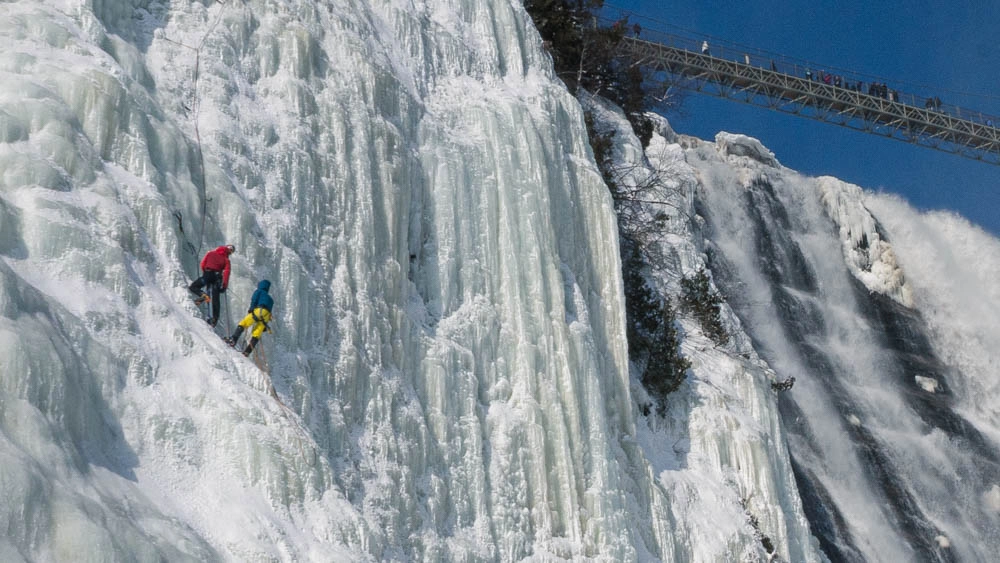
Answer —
(949, 46)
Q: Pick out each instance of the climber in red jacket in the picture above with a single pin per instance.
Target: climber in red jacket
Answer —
(215, 275)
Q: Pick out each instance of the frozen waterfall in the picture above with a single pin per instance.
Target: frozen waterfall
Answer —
(887, 319)
(449, 345)
(449, 337)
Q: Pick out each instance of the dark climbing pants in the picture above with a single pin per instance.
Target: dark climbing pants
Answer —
(212, 281)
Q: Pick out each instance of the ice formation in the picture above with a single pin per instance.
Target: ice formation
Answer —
(868, 254)
(449, 338)
(738, 146)
(870, 306)
(449, 342)
(720, 453)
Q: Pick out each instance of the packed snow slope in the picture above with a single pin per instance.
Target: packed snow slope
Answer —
(449, 335)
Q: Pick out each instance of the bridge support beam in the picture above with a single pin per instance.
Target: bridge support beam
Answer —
(838, 105)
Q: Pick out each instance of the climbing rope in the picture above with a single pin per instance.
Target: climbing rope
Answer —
(260, 360)
(229, 329)
(260, 357)
(196, 107)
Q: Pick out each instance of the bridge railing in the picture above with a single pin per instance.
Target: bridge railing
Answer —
(846, 79)
(882, 115)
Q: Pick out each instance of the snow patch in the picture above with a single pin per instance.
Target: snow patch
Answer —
(928, 384)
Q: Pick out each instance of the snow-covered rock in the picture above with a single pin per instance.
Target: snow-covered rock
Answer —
(869, 256)
(720, 451)
(734, 145)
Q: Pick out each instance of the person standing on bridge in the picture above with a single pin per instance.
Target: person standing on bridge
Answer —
(704, 47)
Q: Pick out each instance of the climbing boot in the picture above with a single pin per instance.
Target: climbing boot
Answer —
(250, 346)
(232, 340)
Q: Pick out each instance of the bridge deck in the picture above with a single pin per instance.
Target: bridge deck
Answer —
(949, 129)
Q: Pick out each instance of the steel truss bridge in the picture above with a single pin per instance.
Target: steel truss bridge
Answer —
(796, 89)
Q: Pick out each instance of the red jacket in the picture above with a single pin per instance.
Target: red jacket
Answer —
(217, 261)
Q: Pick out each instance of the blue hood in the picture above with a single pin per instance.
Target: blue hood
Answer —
(261, 298)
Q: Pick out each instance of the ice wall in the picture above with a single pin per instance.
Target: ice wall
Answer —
(720, 452)
(449, 338)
